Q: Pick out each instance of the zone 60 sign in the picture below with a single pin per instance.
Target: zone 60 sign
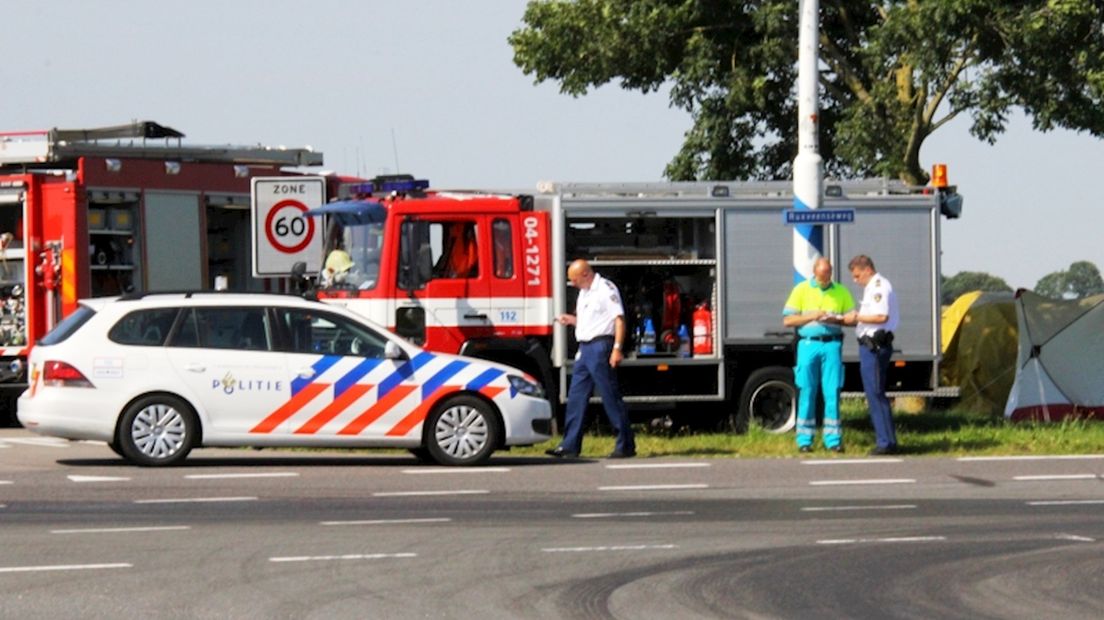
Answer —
(282, 234)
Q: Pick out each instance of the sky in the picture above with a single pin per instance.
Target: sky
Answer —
(429, 87)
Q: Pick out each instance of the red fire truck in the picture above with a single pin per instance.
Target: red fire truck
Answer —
(93, 212)
(483, 274)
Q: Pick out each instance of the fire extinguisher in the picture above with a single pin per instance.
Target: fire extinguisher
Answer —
(703, 330)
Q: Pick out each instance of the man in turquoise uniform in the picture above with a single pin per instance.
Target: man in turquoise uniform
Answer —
(816, 308)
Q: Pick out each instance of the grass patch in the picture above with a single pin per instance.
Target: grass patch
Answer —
(935, 433)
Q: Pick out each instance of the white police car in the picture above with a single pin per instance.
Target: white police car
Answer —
(158, 374)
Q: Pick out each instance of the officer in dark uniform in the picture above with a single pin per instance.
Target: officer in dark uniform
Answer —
(600, 330)
(875, 321)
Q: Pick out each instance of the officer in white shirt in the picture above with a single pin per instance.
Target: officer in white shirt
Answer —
(599, 322)
(875, 321)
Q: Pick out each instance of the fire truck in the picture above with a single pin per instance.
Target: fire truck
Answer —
(95, 212)
(703, 270)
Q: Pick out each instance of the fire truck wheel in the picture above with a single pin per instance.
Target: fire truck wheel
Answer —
(157, 430)
(462, 431)
(769, 399)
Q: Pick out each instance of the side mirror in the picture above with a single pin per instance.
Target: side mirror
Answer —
(424, 269)
(393, 351)
(299, 269)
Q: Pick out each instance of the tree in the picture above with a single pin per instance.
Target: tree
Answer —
(1080, 280)
(966, 281)
(896, 71)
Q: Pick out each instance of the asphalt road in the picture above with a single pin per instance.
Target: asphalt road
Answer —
(282, 534)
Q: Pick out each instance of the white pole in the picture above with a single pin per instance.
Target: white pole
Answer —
(808, 239)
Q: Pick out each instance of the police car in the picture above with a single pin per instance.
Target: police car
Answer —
(157, 374)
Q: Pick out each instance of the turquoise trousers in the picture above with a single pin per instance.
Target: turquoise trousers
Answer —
(819, 368)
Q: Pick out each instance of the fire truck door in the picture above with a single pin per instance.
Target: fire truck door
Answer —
(444, 281)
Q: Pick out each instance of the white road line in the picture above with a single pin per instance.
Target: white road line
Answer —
(607, 548)
(4, 445)
(44, 442)
(1066, 502)
(1075, 538)
(35, 569)
(658, 465)
(1030, 458)
(458, 470)
(93, 442)
(114, 530)
(387, 521)
(188, 500)
(273, 474)
(850, 461)
(1056, 477)
(98, 478)
(610, 515)
(350, 556)
(867, 481)
(847, 508)
(653, 487)
(6, 482)
(418, 493)
(899, 539)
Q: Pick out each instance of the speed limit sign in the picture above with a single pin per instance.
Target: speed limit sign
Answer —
(282, 234)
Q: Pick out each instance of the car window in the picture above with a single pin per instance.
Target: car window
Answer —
(68, 326)
(329, 334)
(147, 327)
(243, 329)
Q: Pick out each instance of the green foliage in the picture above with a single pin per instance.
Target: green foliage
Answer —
(897, 70)
(1082, 279)
(966, 281)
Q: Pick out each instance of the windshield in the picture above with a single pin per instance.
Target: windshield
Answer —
(353, 256)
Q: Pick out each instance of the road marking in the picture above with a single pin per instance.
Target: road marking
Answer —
(846, 508)
(98, 478)
(6, 482)
(4, 445)
(607, 548)
(1066, 502)
(113, 530)
(850, 461)
(273, 474)
(1056, 477)
(418, 493)
(1075, 538)
(34, 569)
(387, 521)
(868, 481)
(608, 515)
(898, 539)
(1030, 458)
(654, 487)
(44, 442)
(458, 470)
(657, 465)
(93, 442)
(187, 500)
(350, 556)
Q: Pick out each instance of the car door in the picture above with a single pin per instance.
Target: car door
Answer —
(343, 389)
(225, 358)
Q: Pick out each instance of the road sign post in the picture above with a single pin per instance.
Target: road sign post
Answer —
(282, 235)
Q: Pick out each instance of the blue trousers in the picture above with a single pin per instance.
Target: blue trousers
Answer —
(592, 371)
(874, 366)
(819, 368)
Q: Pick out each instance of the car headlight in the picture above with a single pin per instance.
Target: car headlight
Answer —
(521, 385)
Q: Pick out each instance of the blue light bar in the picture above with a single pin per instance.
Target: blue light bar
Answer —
(411, 185)
(397, 183)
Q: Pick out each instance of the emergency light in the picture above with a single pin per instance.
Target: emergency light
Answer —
(394, 183)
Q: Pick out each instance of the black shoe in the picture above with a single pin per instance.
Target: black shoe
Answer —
(805, 449)
(560, 453)
(886, 451)
(836, 449)
(617, 454)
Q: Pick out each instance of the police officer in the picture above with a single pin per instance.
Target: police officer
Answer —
(600, 330)
(816, 308)
(875, 321)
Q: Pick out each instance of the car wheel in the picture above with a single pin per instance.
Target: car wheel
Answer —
(422, 455)
(769, 399)
(116, 449)
(157, 430)
(461, 431)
